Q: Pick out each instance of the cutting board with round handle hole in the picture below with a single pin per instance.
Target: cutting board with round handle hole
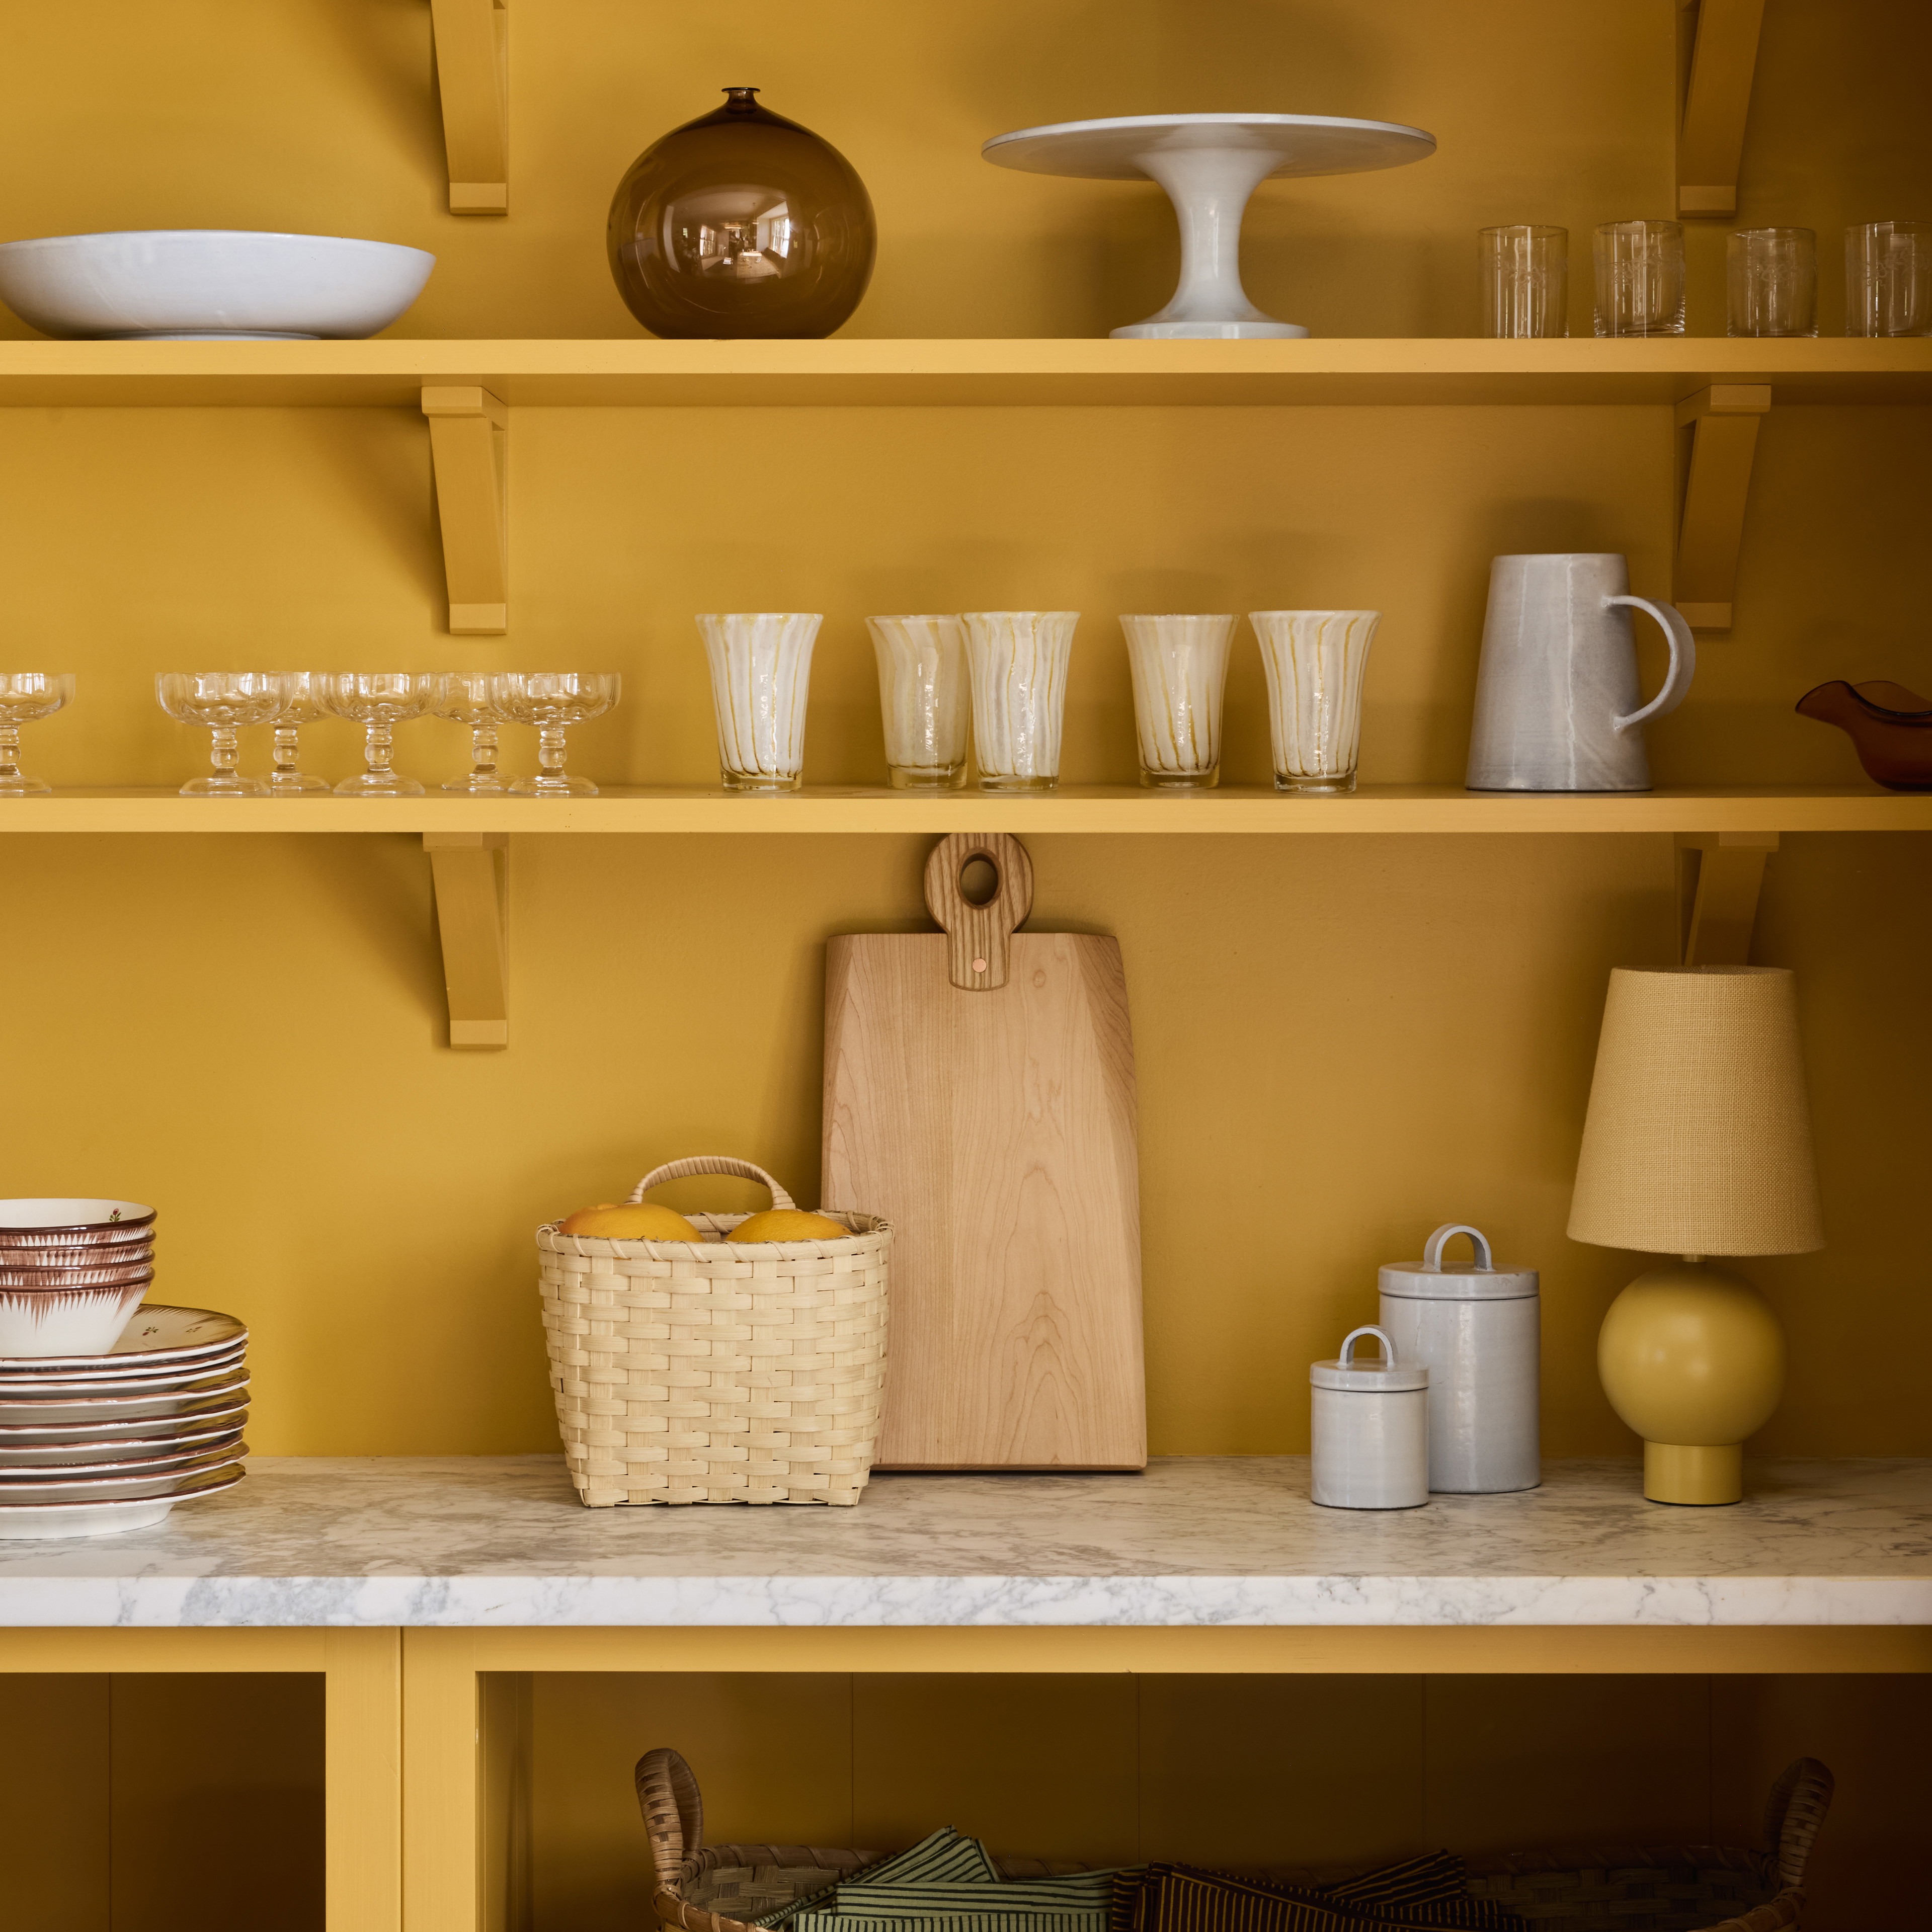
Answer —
(979, 1095)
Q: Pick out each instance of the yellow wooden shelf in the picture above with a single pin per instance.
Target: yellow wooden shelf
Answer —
(393, 372)
(1096, 808)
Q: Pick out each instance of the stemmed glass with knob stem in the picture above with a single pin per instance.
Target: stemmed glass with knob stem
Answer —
(468, 697)
(26, 698)
(552, 700)
(222, 702)
(379, 701)
(301, 693)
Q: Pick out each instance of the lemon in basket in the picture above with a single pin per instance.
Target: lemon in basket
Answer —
(790, 1224)
(633, 1221)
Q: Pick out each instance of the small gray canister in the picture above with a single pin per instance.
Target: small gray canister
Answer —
(1478, 1331)
(1370, 1432)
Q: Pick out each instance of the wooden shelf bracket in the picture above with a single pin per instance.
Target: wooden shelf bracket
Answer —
(470, 450)
(1722, 420)
(1711, 140)
(1719, 876)
(472, 76)
(471, 871)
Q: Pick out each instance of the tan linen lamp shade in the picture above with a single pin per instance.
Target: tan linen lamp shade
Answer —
(1698, 1142)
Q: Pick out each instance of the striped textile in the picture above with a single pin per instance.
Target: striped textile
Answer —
(1072, 1892)
(989, 1919)
(943, 1857)
(1173, 1898)
(1426, 1880)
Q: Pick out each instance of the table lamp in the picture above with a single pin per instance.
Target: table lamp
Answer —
(1698, 1142)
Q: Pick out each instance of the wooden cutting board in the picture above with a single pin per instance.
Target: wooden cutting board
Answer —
(979, 1095)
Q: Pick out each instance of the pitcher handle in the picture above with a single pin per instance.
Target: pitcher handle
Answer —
(1683, 660)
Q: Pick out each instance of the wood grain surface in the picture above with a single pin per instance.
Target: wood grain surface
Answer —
(995, 1130)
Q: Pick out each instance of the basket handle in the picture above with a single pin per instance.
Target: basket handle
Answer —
(708, 1163)
(1799, 1800)
(673, 1809)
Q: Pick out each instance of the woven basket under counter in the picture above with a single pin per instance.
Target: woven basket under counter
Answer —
(716, 1372)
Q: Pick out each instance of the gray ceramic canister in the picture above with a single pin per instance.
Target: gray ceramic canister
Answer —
(1369, 1429)
(1478, 1331)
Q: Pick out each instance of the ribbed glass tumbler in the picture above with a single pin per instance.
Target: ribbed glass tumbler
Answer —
(923, 700)
(1315, 660)
(1017, 661)
(760, 676)
(1180, 668)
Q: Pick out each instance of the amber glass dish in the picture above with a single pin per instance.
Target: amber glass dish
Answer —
(742, 224)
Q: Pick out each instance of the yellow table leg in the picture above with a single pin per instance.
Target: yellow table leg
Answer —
(363, 1849)
(441, 1843)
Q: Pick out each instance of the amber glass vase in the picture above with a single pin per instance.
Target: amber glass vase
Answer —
(742, 223)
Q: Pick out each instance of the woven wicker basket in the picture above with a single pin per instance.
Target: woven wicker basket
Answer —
(709, 1371)
(1669, 1888)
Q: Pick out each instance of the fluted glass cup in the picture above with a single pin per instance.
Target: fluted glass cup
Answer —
(761, 677)
(26, 696)
(1888, 278)
(1525, 274)
(222, 702)
(378, 700)
(1640, 268)
(1770, 281)
(468, 697)
(1017, 662)
(1180, 668)
(1315, 660)
(553, 701)
(923, 700)
(301, 704)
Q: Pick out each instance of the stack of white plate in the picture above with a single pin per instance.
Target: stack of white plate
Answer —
(90, 1445)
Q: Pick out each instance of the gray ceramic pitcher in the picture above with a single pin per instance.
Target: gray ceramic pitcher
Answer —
(1557, 704)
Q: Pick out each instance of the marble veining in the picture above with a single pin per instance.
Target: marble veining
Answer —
(502, 1541)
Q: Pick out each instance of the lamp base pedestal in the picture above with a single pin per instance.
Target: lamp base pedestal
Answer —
(1678, 1472)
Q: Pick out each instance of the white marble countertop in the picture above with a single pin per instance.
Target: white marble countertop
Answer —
(503, 1541)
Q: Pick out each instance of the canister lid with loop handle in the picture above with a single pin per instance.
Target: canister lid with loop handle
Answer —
(1428, 1280)
(1380, 1378)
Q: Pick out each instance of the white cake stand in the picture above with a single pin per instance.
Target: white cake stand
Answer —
(1210, 164)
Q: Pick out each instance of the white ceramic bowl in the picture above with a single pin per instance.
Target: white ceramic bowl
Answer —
(202, 284)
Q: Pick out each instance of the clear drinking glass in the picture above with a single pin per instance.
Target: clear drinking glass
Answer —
(1180, 668)
(1639, 278)
(301, 704)
(922, 697)
(1526, 279)
(468, 697)
(1016, 662)
(221, 701)
(26, 696)
(1888, 278)
(553, 701)
(1315, 662)
(1770, 281)
(760, 674)
(379, 701)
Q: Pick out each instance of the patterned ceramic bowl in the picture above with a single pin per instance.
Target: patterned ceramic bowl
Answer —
(71, 1221)
(38, 1321)
(57, 1280)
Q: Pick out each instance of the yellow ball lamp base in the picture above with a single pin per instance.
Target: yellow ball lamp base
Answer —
(1692, 1358)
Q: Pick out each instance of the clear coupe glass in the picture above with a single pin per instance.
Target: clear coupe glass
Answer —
(301, 704)
(26, 696)
(221, 702)
(553, 701)
(468, 697)
(379, 701)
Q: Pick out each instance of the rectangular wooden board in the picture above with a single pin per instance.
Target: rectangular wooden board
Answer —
(996, 1132)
